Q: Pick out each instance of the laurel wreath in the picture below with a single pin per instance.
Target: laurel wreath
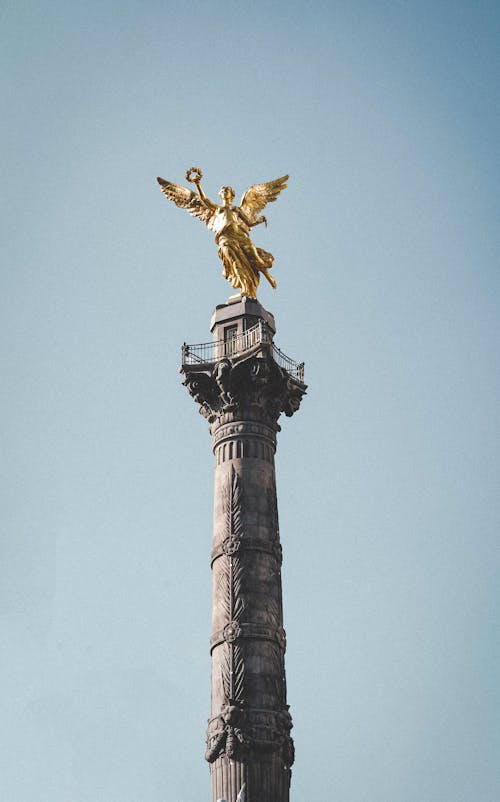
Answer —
(194, 175)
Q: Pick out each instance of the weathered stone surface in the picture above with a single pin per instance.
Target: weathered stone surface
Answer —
(242, 396)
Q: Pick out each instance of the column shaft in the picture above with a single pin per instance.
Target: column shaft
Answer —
(242, 384)
(248, 735)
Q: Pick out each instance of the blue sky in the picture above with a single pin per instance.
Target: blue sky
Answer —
(386, 116)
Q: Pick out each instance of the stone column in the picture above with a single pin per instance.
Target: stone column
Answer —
(242, 393)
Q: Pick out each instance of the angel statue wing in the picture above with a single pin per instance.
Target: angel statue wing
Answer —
(185, 199)
(255, 198)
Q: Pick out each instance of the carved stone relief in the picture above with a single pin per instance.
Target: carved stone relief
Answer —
(241, 577)
(253, 388)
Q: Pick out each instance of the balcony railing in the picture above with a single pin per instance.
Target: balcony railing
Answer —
(295, 369)
(206, 353)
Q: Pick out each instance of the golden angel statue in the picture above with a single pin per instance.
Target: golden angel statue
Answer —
(242, 261)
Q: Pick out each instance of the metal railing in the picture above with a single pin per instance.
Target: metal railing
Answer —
(198, 354)
(235, 345)
(295, 369)
(206, 353)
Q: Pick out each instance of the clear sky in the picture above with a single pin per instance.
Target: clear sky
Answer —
(386, 116)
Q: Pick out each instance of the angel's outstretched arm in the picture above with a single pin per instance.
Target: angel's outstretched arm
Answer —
(206, 202)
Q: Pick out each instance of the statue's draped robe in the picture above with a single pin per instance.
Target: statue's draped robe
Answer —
(237, 253)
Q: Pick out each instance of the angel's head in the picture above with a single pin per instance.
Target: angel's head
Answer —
(227, 194)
